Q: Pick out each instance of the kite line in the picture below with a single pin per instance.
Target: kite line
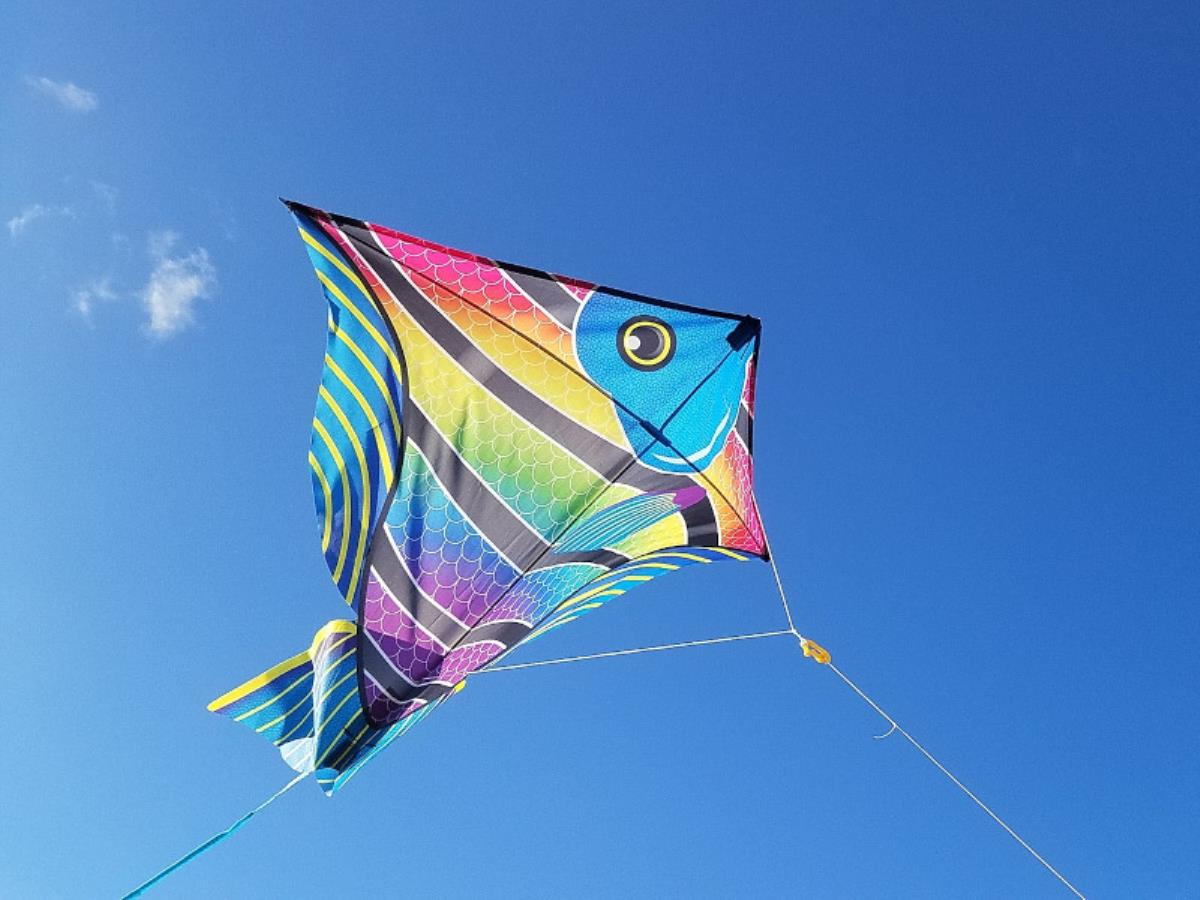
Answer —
(810, 648)
(820, 655)
(214, 840)
(896, 726)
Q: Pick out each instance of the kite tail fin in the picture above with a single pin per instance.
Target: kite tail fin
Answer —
(308, 705)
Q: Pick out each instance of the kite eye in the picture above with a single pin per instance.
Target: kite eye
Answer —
(646, 343)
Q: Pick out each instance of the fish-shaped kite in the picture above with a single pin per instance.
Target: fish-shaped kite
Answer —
(495, 452)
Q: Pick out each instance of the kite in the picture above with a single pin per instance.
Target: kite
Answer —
(496, 452)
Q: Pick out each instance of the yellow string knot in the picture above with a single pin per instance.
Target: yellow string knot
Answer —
(815, 651)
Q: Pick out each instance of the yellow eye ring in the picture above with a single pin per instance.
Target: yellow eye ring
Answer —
(645, 342)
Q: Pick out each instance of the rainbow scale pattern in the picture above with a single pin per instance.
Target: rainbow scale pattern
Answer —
(487, 468)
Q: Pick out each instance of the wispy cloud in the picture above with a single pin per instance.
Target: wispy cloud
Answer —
(97, 290)
(107, 195)
(176, 283)
(30, 214)
(66, 94)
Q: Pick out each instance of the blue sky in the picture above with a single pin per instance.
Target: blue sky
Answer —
(971, 236)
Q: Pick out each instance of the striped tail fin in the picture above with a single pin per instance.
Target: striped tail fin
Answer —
(308, 705)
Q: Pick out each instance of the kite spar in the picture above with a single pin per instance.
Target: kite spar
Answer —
(496, 452)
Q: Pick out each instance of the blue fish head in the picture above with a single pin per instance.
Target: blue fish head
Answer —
(679, 370)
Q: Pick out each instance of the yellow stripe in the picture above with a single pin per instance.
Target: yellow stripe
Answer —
(249, 687)
(383, 343)
(308, 698)
(615, 592)
(350, 274)
(554, 624)
(364, 524)
(371, 370)
(651, 565)
(316, 467)
(344, 727)
(728, 552)
(379, 339)
(275, 698)
(675, 554)
(283, 739)
(352, 745)
(602, 590)
(591, 592)
(341, 464)
(385, 455)
(353, 692)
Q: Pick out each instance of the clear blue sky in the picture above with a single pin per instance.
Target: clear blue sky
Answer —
(971, 235)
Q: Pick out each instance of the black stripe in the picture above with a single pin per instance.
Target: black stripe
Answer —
(701, 521)
(394, 575)
(376, 664)
(607, 558)
(600, 455)
(616, 463)
(507, 633)
(494, 519)
(744, 425)
(549, 294)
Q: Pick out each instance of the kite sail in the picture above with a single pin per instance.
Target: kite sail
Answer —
(496, 451)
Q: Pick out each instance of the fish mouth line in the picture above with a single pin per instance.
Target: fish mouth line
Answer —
(699, 454)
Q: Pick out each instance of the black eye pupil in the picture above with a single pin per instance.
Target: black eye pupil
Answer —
(645, 342)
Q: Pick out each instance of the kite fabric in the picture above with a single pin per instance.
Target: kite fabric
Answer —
(496, 451)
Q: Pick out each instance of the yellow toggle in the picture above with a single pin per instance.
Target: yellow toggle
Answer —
(462, 684)
(815, 651)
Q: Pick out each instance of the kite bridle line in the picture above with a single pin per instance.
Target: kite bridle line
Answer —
(819, 655)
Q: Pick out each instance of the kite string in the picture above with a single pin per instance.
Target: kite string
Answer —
(787, 609)
(702, 642)
(214, 840)
(897, 727)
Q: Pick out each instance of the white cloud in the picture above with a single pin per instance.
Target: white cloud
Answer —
(85, 298)
(107, 195)
(175, 284)
(65, 93)
(30, 214)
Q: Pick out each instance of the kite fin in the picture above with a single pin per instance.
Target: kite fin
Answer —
(307, 705)
(609, 526)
